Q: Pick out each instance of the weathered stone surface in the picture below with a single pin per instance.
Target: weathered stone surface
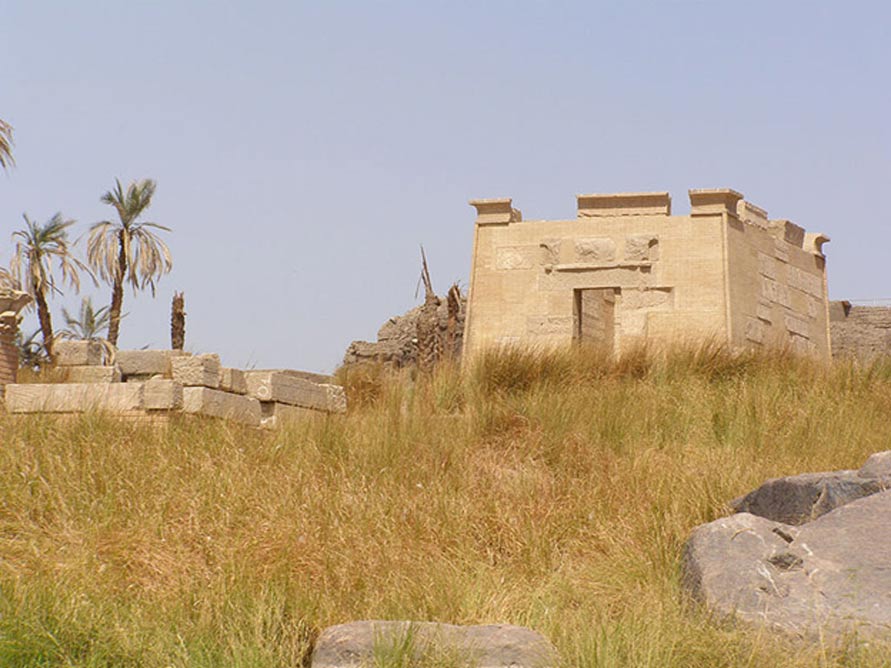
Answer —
(356, 644)
(196, 370)
(877, 466)
(276, 414)
(802, 498)
(215, 403)
(829, 576)
(92, 374)
(163, 394)
(288, 389)
(79, 353)
(146, 362)
(74, 397)
(232, 380)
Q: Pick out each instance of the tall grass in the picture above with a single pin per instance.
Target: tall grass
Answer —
(553, 490)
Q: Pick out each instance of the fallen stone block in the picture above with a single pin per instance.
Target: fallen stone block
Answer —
(92, 374)
(232, 380)
(163, 394)
(78, 353)
(146, 362)
(196, 370)
(74, 397)
(215, 403)
(276, 414)
(359, 644)
(285, 388)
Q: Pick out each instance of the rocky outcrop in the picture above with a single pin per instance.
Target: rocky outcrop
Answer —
(802, 498)
(397, 339)
(358, 644)
(830, 574)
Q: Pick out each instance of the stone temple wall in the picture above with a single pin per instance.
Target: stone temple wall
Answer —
(860, 331)
(625, 271)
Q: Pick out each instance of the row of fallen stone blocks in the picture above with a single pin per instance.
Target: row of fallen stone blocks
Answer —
(99, 378)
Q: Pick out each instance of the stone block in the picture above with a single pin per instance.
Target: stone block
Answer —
(276, 414)
(74, 397)
(163, 394)
(79, 353)
(215, 403)
(287, 389)
(232, 380)
(624, 204)
(146, 362)
(92, 374)
(595, 249)
(196, 371)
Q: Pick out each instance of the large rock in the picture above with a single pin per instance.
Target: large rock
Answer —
(802, 498)
(829, 576)
(358, 644)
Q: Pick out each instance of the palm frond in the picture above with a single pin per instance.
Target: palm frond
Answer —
(6, 159)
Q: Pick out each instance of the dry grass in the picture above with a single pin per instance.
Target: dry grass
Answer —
(548, 490)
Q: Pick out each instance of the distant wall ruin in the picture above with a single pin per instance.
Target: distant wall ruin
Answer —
(863, 332)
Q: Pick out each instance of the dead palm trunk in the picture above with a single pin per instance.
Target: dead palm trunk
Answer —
(117, 293)
(178, 321)
(429, 343)
(453, 301)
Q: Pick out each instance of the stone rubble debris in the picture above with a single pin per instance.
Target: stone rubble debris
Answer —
(164, 382)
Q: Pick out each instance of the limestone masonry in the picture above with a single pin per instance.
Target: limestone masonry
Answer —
(860, 331)
(625, 271)
(158, 383)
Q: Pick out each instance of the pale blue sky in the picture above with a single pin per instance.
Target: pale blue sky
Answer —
(304, 150)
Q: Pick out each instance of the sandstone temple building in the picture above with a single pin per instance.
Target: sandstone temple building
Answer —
(626, 271)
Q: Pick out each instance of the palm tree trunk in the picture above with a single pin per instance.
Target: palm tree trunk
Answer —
(46, 322)
(117, 294)
(178, 321)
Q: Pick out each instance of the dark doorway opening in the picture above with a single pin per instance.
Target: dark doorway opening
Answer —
(595, 317)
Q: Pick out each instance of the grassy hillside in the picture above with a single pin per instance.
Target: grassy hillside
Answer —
(553, 491)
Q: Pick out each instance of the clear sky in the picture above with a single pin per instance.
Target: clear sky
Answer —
(304, 150)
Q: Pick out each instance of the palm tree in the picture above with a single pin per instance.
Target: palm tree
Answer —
(35, 248)
(31, 351)
(127, 250)
(88, 323)
(6, 145)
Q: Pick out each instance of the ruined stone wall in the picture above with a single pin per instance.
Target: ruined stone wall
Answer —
(9, 356)
(11, 303)
(863, 332)
(711, 275)
(397, 339)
